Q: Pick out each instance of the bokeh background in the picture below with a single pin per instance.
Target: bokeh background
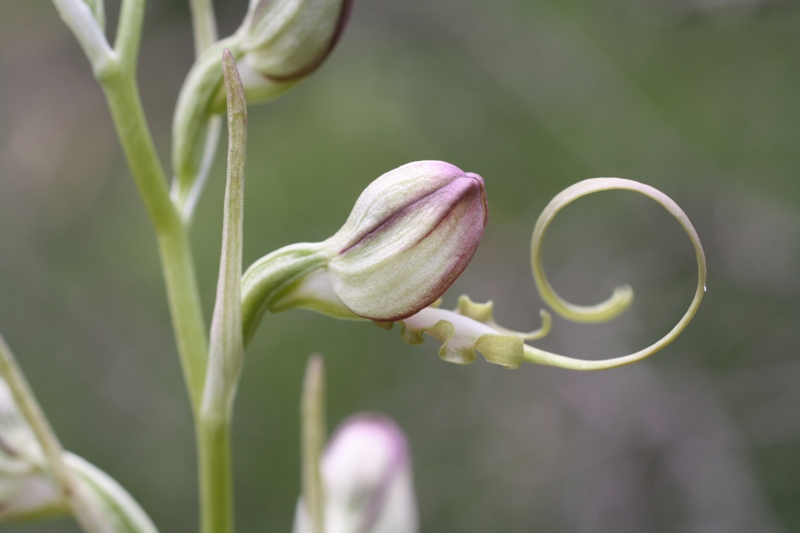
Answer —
(700, 98)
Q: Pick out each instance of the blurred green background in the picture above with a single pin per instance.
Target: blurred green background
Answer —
(700, 98)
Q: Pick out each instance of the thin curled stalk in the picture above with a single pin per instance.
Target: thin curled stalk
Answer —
(622, 295)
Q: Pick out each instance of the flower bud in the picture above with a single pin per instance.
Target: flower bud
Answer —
(286, 40)
(366, 474)
(410, 235)
(282, 42)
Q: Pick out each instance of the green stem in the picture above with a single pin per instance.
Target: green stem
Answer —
(78, 499)
(123, 99)
(185, 309)
(216, 486)
(116, 72)
(176, 258)
(129, 34)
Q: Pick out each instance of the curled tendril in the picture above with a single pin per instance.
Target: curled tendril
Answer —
(622, 295)
(470, 327)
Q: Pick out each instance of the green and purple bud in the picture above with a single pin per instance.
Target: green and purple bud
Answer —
(412, 232)
(285, 40)
(410, 235)
(366, 479)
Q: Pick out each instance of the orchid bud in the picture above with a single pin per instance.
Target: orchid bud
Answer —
(367, 480)
(410, 235)
(286, 40)
(281, 42)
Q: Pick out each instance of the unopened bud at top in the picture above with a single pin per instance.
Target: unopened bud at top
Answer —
(281, 42)
(287, 39)
(366, 474)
